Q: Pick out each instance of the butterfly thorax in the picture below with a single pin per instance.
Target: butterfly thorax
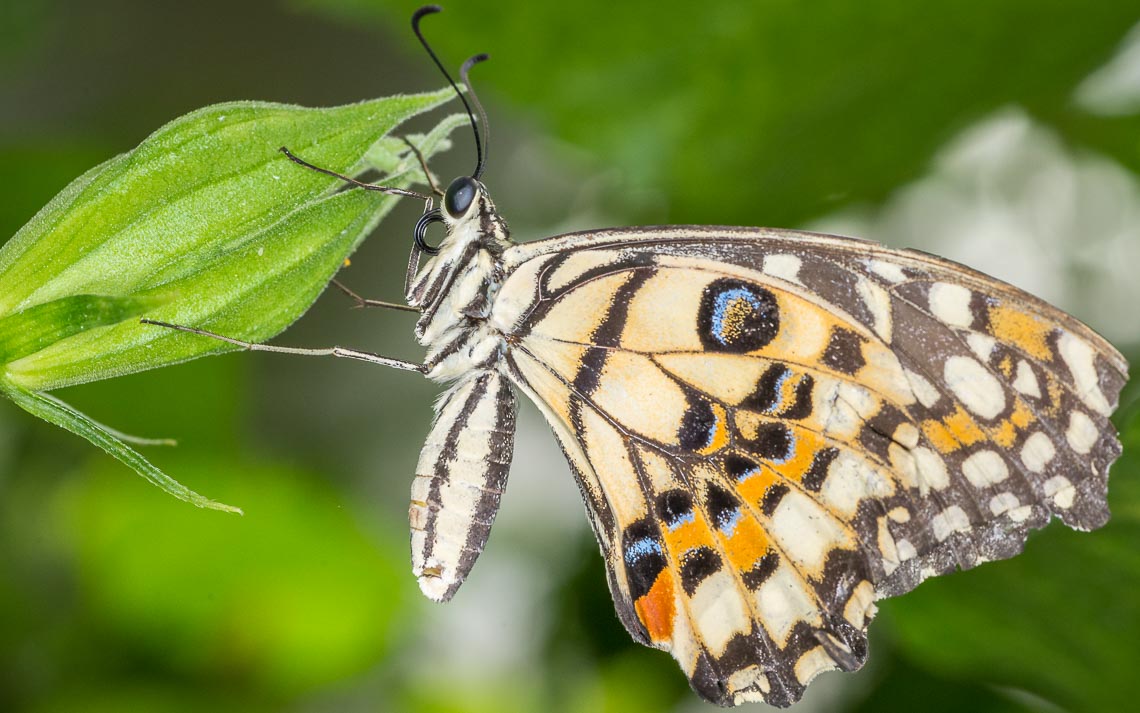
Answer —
(455, 290)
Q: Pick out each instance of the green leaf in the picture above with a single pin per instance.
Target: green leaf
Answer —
(35, 328)
(55, 411)
(1060, 620)
(206, 224)
(203, 184)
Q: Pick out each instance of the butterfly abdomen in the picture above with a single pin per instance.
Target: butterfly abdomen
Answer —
(459, 479)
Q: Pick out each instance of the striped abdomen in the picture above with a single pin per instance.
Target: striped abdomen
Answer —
(459, 479)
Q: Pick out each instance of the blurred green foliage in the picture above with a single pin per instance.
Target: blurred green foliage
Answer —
(115, 598)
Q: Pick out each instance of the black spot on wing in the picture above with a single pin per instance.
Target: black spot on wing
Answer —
(697, 425)
(772, 497)
(644, 556)
(817, 472)
(697, 565)
(774, 442)
(608, 333)
(675, 507)
(590, 370)
(844, 352)
(739, 467)
(877, 435)
(760, 571)
(722, 506)
(768, 388)
(801, 405)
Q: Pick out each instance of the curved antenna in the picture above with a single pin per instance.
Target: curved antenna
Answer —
(416, 17)
(471, 62)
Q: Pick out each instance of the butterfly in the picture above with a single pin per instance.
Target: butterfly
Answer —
(771, 429)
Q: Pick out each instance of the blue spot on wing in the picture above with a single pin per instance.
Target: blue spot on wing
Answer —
(723, 300)
(778, 401)
(729, 521)
(641, 548)
(682, 520)
(791, 449)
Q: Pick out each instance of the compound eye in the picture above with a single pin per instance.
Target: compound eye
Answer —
(460, 195)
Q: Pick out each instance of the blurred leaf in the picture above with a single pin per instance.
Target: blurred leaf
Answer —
(817, 104)
(1061, 620)
(203, 224)
(281, 603)
(905, 688)
(20, 22)
(55, 411)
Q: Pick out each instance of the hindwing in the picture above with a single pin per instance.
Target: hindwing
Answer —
(772, 430)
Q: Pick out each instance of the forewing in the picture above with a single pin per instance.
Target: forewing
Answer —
(772, 430)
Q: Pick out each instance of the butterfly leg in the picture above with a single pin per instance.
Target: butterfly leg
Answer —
(328, 351)
(365, 302)
(353, 181)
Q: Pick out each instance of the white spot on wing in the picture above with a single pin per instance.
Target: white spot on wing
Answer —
(985, 468)
(720, 611)
(981, 345)
(906, 550)
(1037, 451)
(952, 519)
(1026, 380)
(1082, 433)
(1079, 356)
(748, 685)
(1003, 502)
(977, 389)
(951, 304)
(1061, 490)
(886, 270)
(782, 601)
(878, 304)
(923, 390)
(785, 267)
(906, 434)
(805, 531)
(861, 606)
(814, 662)
(931, 470)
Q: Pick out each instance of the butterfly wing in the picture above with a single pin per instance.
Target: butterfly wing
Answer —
(773, 429)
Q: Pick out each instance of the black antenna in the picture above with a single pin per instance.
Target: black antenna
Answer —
(479, 106)
(416, 17)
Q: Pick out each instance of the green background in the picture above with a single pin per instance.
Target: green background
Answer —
(989, 132)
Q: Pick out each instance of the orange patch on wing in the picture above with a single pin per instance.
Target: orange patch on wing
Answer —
(688, 536)
(807, 443)
(748, 543)
(939, 436)
(1021, 416)
(1006, 434)
(953, 432)
(963, 428)
(657, 607)
(1024, 331)
(1006, 367)
(753, 488)
(1056, 393)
